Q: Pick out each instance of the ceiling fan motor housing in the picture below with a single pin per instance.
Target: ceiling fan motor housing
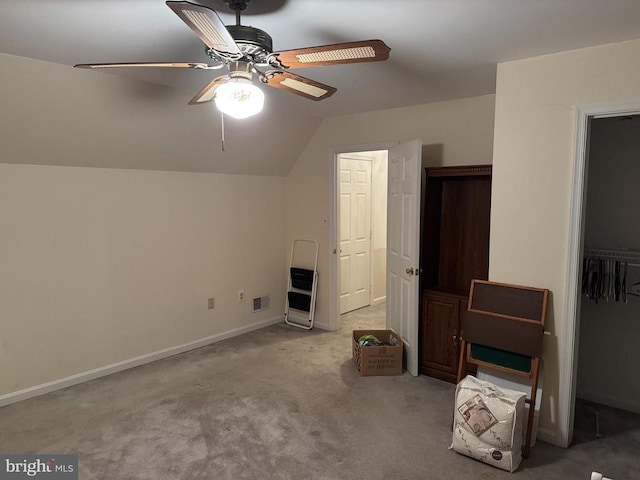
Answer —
(252, 35)
(252, 42)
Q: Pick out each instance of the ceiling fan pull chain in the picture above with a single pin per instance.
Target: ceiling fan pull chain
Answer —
(222, 123)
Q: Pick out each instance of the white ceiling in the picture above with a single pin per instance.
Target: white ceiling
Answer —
(440, 49)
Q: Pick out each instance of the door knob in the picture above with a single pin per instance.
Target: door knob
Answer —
(409, 271)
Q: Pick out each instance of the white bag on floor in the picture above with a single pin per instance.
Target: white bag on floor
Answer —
(488, 423)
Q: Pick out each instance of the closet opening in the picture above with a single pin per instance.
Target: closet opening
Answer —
(603, 301)
(607, 390)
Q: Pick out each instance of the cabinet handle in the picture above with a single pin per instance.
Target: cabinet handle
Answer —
(455, 339)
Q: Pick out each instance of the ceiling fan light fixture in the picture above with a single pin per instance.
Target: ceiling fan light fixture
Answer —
(239, 98)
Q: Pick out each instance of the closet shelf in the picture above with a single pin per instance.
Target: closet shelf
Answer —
(623, 255)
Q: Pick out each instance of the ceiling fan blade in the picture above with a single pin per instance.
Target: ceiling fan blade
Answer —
(350, 52)
(143, 64)
(206, 24)
(299, 85)
(206, 94)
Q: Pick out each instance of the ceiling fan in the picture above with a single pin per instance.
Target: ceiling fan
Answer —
(247, 52)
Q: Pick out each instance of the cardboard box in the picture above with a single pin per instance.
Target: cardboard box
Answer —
(382, 360)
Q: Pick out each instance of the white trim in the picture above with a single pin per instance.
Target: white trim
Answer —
(321, 326)
(48, 387)
(546, 435)
(334, 304)
(568, 354)
(566, 387)
(608, 400)
(379, 300)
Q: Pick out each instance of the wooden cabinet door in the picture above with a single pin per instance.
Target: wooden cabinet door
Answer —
(439, 335)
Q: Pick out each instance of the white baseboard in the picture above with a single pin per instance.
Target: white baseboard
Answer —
(551, 436)
(321, 326)
(547, 435)
(378, 301)
(37, 390)
(610, 401)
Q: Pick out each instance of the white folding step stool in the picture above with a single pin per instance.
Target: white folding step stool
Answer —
(300, 303)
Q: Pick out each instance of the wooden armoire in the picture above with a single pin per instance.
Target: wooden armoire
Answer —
(455, 249)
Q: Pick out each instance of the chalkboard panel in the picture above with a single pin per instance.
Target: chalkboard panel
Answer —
(495, 356)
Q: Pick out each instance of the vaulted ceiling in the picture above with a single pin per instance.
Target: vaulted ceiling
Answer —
(440, 50)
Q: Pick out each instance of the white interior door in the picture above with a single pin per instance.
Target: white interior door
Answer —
(355, 233)
(403, 235)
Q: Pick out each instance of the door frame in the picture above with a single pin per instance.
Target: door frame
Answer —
(568, 353)
(334, 189)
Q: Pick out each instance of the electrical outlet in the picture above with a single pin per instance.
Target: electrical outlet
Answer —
(241, 295)
(210, 303)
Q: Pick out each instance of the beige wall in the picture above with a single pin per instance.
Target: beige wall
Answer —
(533, 162)
(379, 175)
(457, 132)
(102, 265)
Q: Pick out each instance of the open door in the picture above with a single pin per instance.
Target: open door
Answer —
(403, 239)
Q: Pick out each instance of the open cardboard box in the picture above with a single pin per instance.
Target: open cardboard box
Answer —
(382, 360)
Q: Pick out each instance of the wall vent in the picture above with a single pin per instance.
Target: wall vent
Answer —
(260, 303)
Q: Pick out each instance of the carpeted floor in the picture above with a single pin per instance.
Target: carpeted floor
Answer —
(279, 403)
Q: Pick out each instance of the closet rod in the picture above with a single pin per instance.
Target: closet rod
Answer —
(629, 264)
(631, 257)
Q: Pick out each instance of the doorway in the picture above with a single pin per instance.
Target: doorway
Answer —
(361, 198)
(591, 237)
(608, 331)
(404, 164)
